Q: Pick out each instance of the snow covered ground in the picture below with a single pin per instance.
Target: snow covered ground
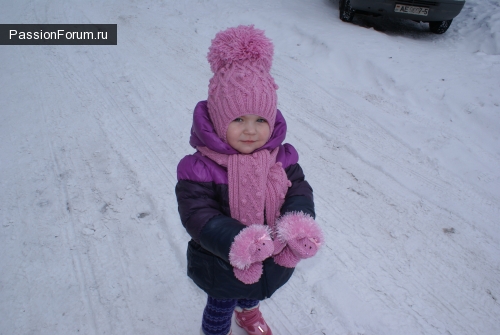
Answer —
(398, 131)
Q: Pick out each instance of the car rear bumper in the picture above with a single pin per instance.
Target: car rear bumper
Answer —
(438, 10)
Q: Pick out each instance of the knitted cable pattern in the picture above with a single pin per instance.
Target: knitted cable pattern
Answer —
(241, 60)
(257, 184)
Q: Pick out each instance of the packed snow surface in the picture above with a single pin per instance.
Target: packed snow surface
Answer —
(397, 131)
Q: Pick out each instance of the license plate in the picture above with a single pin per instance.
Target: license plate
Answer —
(411, 10)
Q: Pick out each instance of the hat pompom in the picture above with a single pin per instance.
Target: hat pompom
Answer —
(239, 44)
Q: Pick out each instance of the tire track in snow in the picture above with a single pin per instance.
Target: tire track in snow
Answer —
(93, 255)
(325, 131)
(140, 132)
(121, 128)
(352, 120)
(293, 311)
(79, 264)
(427, 236)
(126, 127)
(354, 239)
(379, 142)
(121, 123)
(120, 132)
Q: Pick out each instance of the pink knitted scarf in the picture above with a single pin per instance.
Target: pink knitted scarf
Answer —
(257, 184)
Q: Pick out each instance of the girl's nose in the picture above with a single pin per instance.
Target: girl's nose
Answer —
(250, 128)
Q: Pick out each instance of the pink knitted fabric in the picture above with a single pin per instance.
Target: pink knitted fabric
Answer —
(241, 59)
(250, 247)
(256, 183)
(298, 237)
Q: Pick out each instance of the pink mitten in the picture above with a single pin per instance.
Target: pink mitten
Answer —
(302, 237)
(278, 246)
(250, 247)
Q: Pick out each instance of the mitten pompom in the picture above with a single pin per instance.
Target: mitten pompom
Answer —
(250, 275)
(240, 44)
(286, 258)
(278, 246)
(300, 233)
(252, 244)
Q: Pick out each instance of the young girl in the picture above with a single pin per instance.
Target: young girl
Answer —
(242, 196)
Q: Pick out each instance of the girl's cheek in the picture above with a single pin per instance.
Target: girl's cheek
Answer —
(265, 127)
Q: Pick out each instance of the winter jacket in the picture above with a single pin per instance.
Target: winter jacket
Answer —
(203, 203)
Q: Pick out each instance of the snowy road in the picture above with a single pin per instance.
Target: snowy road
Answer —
(398, 139)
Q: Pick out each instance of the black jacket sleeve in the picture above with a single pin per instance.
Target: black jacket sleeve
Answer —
(299, 197)
(202, 216)
(218, 235)
(196, 204)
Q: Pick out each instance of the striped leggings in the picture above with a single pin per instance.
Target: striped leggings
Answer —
(218, 313)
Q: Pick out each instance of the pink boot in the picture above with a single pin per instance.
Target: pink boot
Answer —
(252, 322)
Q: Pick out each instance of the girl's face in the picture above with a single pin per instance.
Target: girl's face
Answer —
(248, 133)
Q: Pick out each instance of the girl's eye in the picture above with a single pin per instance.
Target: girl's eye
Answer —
(238, 119)
(262, 120)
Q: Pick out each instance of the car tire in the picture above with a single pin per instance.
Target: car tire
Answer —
(346, 13)
(439, 27)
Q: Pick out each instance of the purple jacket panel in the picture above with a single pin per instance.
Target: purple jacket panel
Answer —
(287, 155)
(203, 133)
(201, 169)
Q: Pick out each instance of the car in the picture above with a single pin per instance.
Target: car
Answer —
(438, 13)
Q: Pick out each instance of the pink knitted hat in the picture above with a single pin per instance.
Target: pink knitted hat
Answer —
(241, 59)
